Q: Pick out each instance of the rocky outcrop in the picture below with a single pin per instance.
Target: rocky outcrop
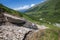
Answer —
(35, 35)
(13, 32)
(14, 28)
(18, 21)
(15, 20)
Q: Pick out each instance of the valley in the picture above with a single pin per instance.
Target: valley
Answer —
(40, 22)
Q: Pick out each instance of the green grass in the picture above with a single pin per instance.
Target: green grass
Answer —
(48, 11)
(28, 18)
(51, 26)
(10, 11)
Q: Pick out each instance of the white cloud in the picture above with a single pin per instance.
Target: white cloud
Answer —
(32, 5)
(24, 7)
(43, 1)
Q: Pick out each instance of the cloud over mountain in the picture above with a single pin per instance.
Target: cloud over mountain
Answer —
(24, 7)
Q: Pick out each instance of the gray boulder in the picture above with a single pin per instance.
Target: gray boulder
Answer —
(30, 25)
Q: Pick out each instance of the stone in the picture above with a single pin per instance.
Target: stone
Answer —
(13, 32)
(30, 25)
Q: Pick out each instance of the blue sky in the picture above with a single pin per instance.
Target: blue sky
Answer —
(20, 4)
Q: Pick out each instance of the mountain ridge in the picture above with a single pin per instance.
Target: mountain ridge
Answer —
(10, 11)
(48, 11)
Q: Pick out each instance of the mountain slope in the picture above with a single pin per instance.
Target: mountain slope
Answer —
(46, 12)
(10, 11)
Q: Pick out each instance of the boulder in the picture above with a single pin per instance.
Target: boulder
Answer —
(13, 19)
(30, 25)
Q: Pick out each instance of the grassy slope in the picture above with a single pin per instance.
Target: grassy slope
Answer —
(48, 11)
(10, 11)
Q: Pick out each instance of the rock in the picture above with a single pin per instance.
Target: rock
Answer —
(14, 28)
(2, 19)
(5, 17)
(35, 35)
(13, 32)
(30, 25)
